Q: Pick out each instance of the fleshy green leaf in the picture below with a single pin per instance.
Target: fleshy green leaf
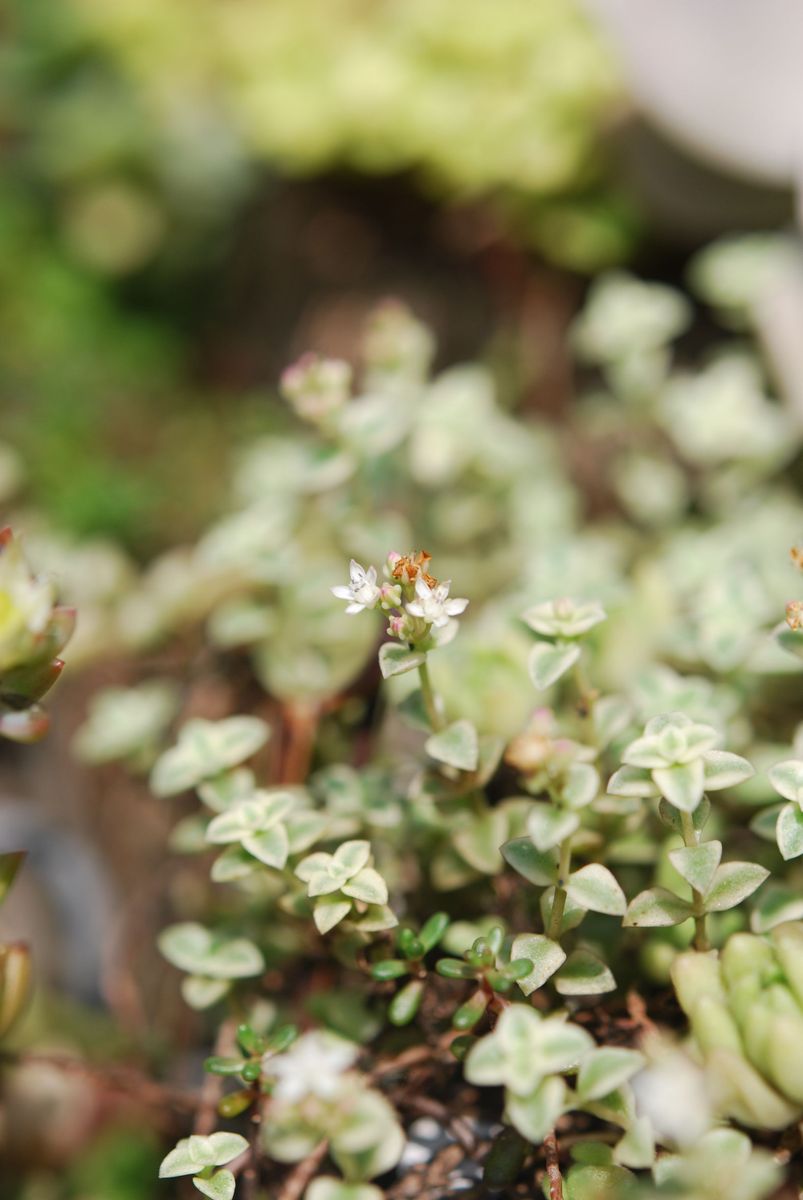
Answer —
(697, 864)
(789, 832)
(583, 974)
(547, 662)
(330, 911)
(367, 885)
(656, 907)
(457, 746)
(581, 785)
(534, 1115)
(271, 846)
(549, 825)
(733, 882)
(193, 948)
(682, 784)
(605, 1069)
(219, 1186)
(787, 779)
(193, 1154)
(595, 888)
(536, 867)
(723, 770)
(395, 659)
(545, 955)
(632, 781)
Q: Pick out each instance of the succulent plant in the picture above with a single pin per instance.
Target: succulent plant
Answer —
(745, 1009)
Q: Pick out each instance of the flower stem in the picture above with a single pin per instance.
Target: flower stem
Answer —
(690, 838)
(559, 902)
(430, 703)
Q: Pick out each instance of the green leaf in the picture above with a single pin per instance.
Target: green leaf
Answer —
(367, 885)
(193, 948)
(353, 856)
(560, 1045)
(204, 749)
(200, 993)
(534, 1115)
(404, 1006)
(724, 770)
(545, 955)
(632, 781)
(536, 867)
(330, 911)
(485, 1062)
(326, 1187)
(219, 1186)
(549, 825)
(584, 974)
(480, 841)
(433, 930)
(595, 888)
(636, 1148)
(395, 659)
(776, 905)
(580, 786)
(656, 907)
(605, 1069)
(682, 784)
(457, 746)
(733, 882)
(193, 1154)
(697, 864)
(271, 846)
(787, 779)
(547, 662)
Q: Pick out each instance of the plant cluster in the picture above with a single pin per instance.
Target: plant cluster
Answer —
(486, 792)
(147, 155)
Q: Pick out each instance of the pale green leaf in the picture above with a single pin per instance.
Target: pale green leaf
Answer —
(548, 662)
(536, 867)
(682, 784)
(733, 882)
(395, 659)
(656, 907)
(697, 864)
(219, 1186)
(549, 825)
(595, 888)
(605, 1069)
(457, 746)
(545, 955)
(271, 846)
(584, 974)
(367, 885)
(787, 779)
(534, 1115)
(723, 770)
(330, 911)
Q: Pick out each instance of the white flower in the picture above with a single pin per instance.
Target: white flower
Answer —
(362, 591)
(433, 603)
(311, 1067)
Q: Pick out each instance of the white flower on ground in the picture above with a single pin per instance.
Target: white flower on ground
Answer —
(313, 1066)
(433, 604)
(362, 591)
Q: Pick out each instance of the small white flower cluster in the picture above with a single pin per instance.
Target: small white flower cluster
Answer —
(313, 1066)
(412, 590)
